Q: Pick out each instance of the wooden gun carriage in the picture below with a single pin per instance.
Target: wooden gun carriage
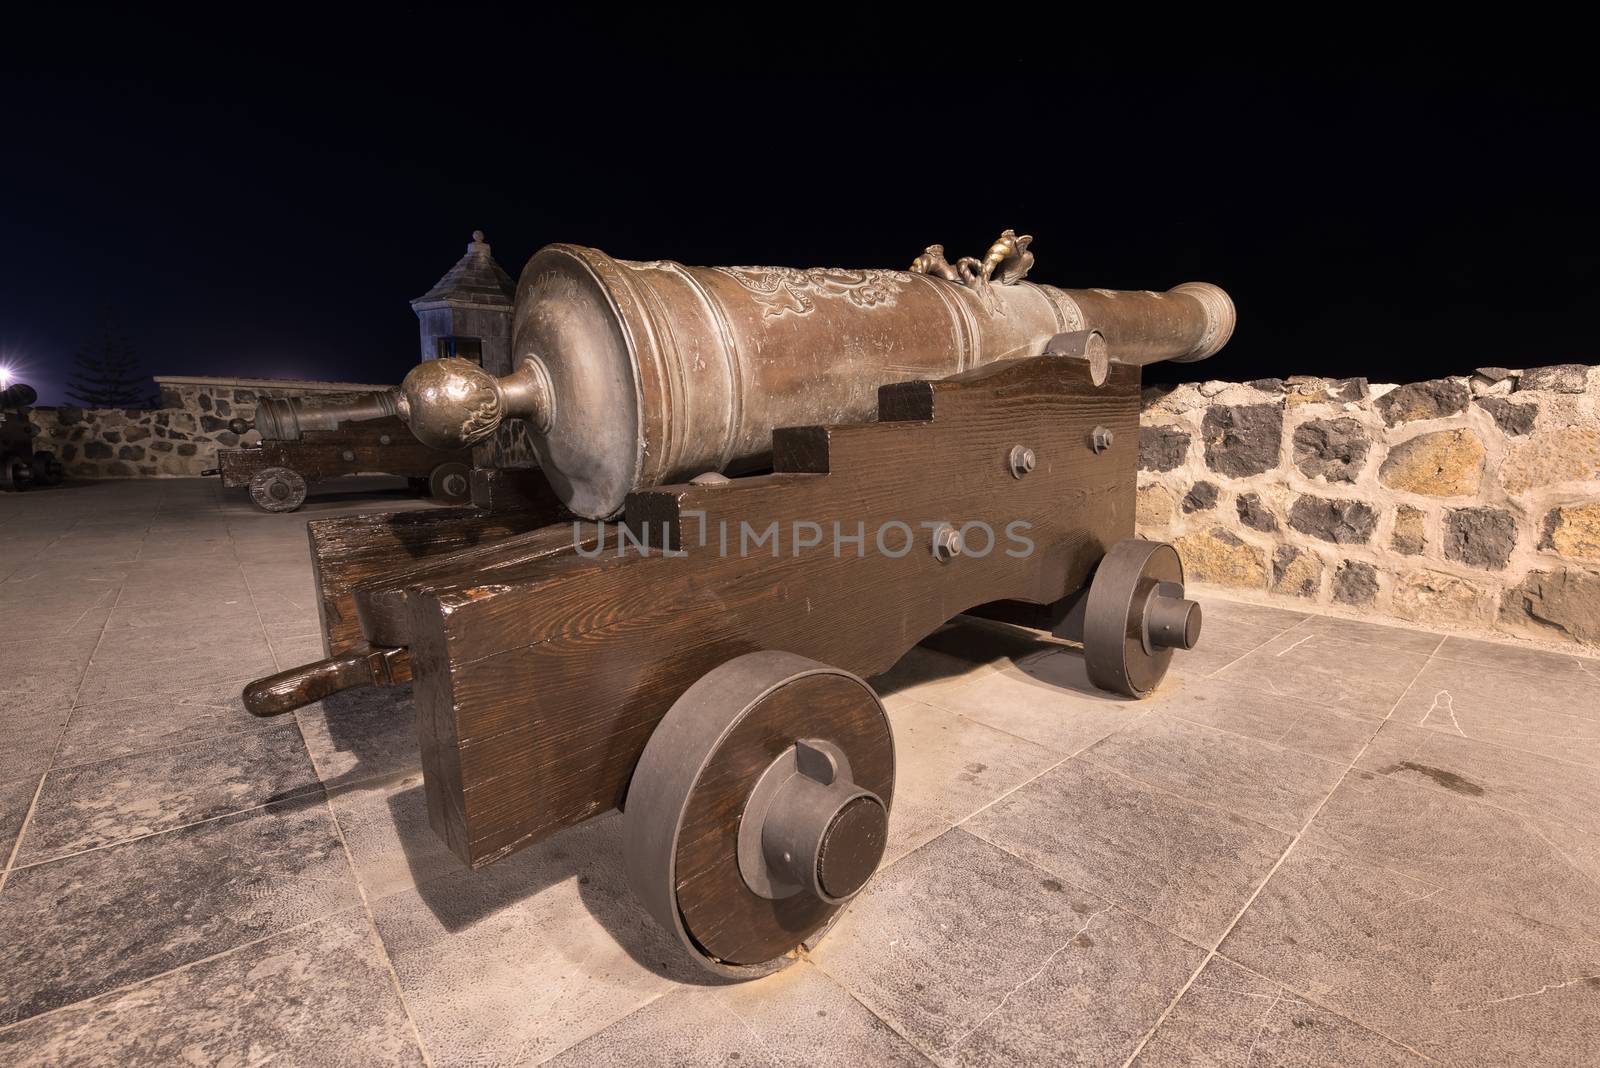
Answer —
(302, 442)
(656, 637)
(21, 465)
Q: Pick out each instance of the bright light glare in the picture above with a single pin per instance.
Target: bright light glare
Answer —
(5, 376)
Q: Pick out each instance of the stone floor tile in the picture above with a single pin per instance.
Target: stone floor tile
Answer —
(280, 600)
(319, 994)
(1240, 622)
(1554, 716)
(689, 1028)
(1297, 724)
(1519, 658)
(1508, 778)
(1403, 639)
(163, 585)
(1207, 658)
(1266, 783)
(386, 830)
(218, 678)
(1230, 1016)
(16, 797)
(227, 613)
(947, 767)
(156, 721)
(362, 734)
(1315, 667)
(99, 920)
(923, 673)
(1541, 870)
(114, 800)
(806, 1018)
(979, 958)
(529, 956)
(796, 1018)
(295, 643)
(1183, 866)
(1446, 976)
(1046, 698)
(30, 729)
(229, 645)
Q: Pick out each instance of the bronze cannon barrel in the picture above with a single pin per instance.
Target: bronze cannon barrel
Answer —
(287, 418)
(636, 374)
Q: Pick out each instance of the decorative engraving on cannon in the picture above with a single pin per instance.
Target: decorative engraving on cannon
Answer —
(304, 442)
(691, 647)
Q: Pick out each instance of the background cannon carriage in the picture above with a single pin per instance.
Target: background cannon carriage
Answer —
(302, 443)
(21, 464)
(716, 696)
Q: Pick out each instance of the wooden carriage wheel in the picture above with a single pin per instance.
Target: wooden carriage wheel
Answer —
(1136, 615)
(759, 807)
(278, 489)
(451, 483)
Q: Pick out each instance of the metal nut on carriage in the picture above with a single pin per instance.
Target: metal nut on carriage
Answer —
(946, 542)
(1022, 461)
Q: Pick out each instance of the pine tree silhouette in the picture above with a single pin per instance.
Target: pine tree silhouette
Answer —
(106, 371)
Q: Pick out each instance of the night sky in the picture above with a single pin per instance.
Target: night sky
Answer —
(265, 200)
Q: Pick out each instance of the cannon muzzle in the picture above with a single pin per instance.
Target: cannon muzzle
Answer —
(287, 418)
(637, 374)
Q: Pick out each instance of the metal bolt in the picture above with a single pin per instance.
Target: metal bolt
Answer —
(946, 542)
(1022, 460)
(1100, 439)
(347, 456)
(384, 439)
(710, 478)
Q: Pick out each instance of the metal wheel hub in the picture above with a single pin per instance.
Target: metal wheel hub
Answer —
(1135, 616)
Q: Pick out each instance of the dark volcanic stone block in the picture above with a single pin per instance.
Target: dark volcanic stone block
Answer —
(1334, 449)
(1563, 601)
(1202, 497)
(1254, 514)
(1424, 400)
(1162, 448)
(1562, 378)
(1480, 537)
(1243, 439)
(1355, 582)
(187, 448)
(1342, 522)
(1513, 419)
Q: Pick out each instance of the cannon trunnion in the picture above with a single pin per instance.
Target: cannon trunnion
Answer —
(699, 661)
(304, 442)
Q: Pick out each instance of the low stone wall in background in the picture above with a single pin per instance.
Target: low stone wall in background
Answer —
(178, 439)
(1468, 503)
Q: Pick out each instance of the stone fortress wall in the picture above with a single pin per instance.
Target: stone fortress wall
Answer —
(1468, 503)
(178, 439)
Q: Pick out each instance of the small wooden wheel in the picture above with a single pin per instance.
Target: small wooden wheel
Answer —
(47, 470)
(1136, 615)
(451, 483)
(278, 489)
(759, 807)
(14, 473)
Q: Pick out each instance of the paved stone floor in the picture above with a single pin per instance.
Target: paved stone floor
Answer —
(1322, 842)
